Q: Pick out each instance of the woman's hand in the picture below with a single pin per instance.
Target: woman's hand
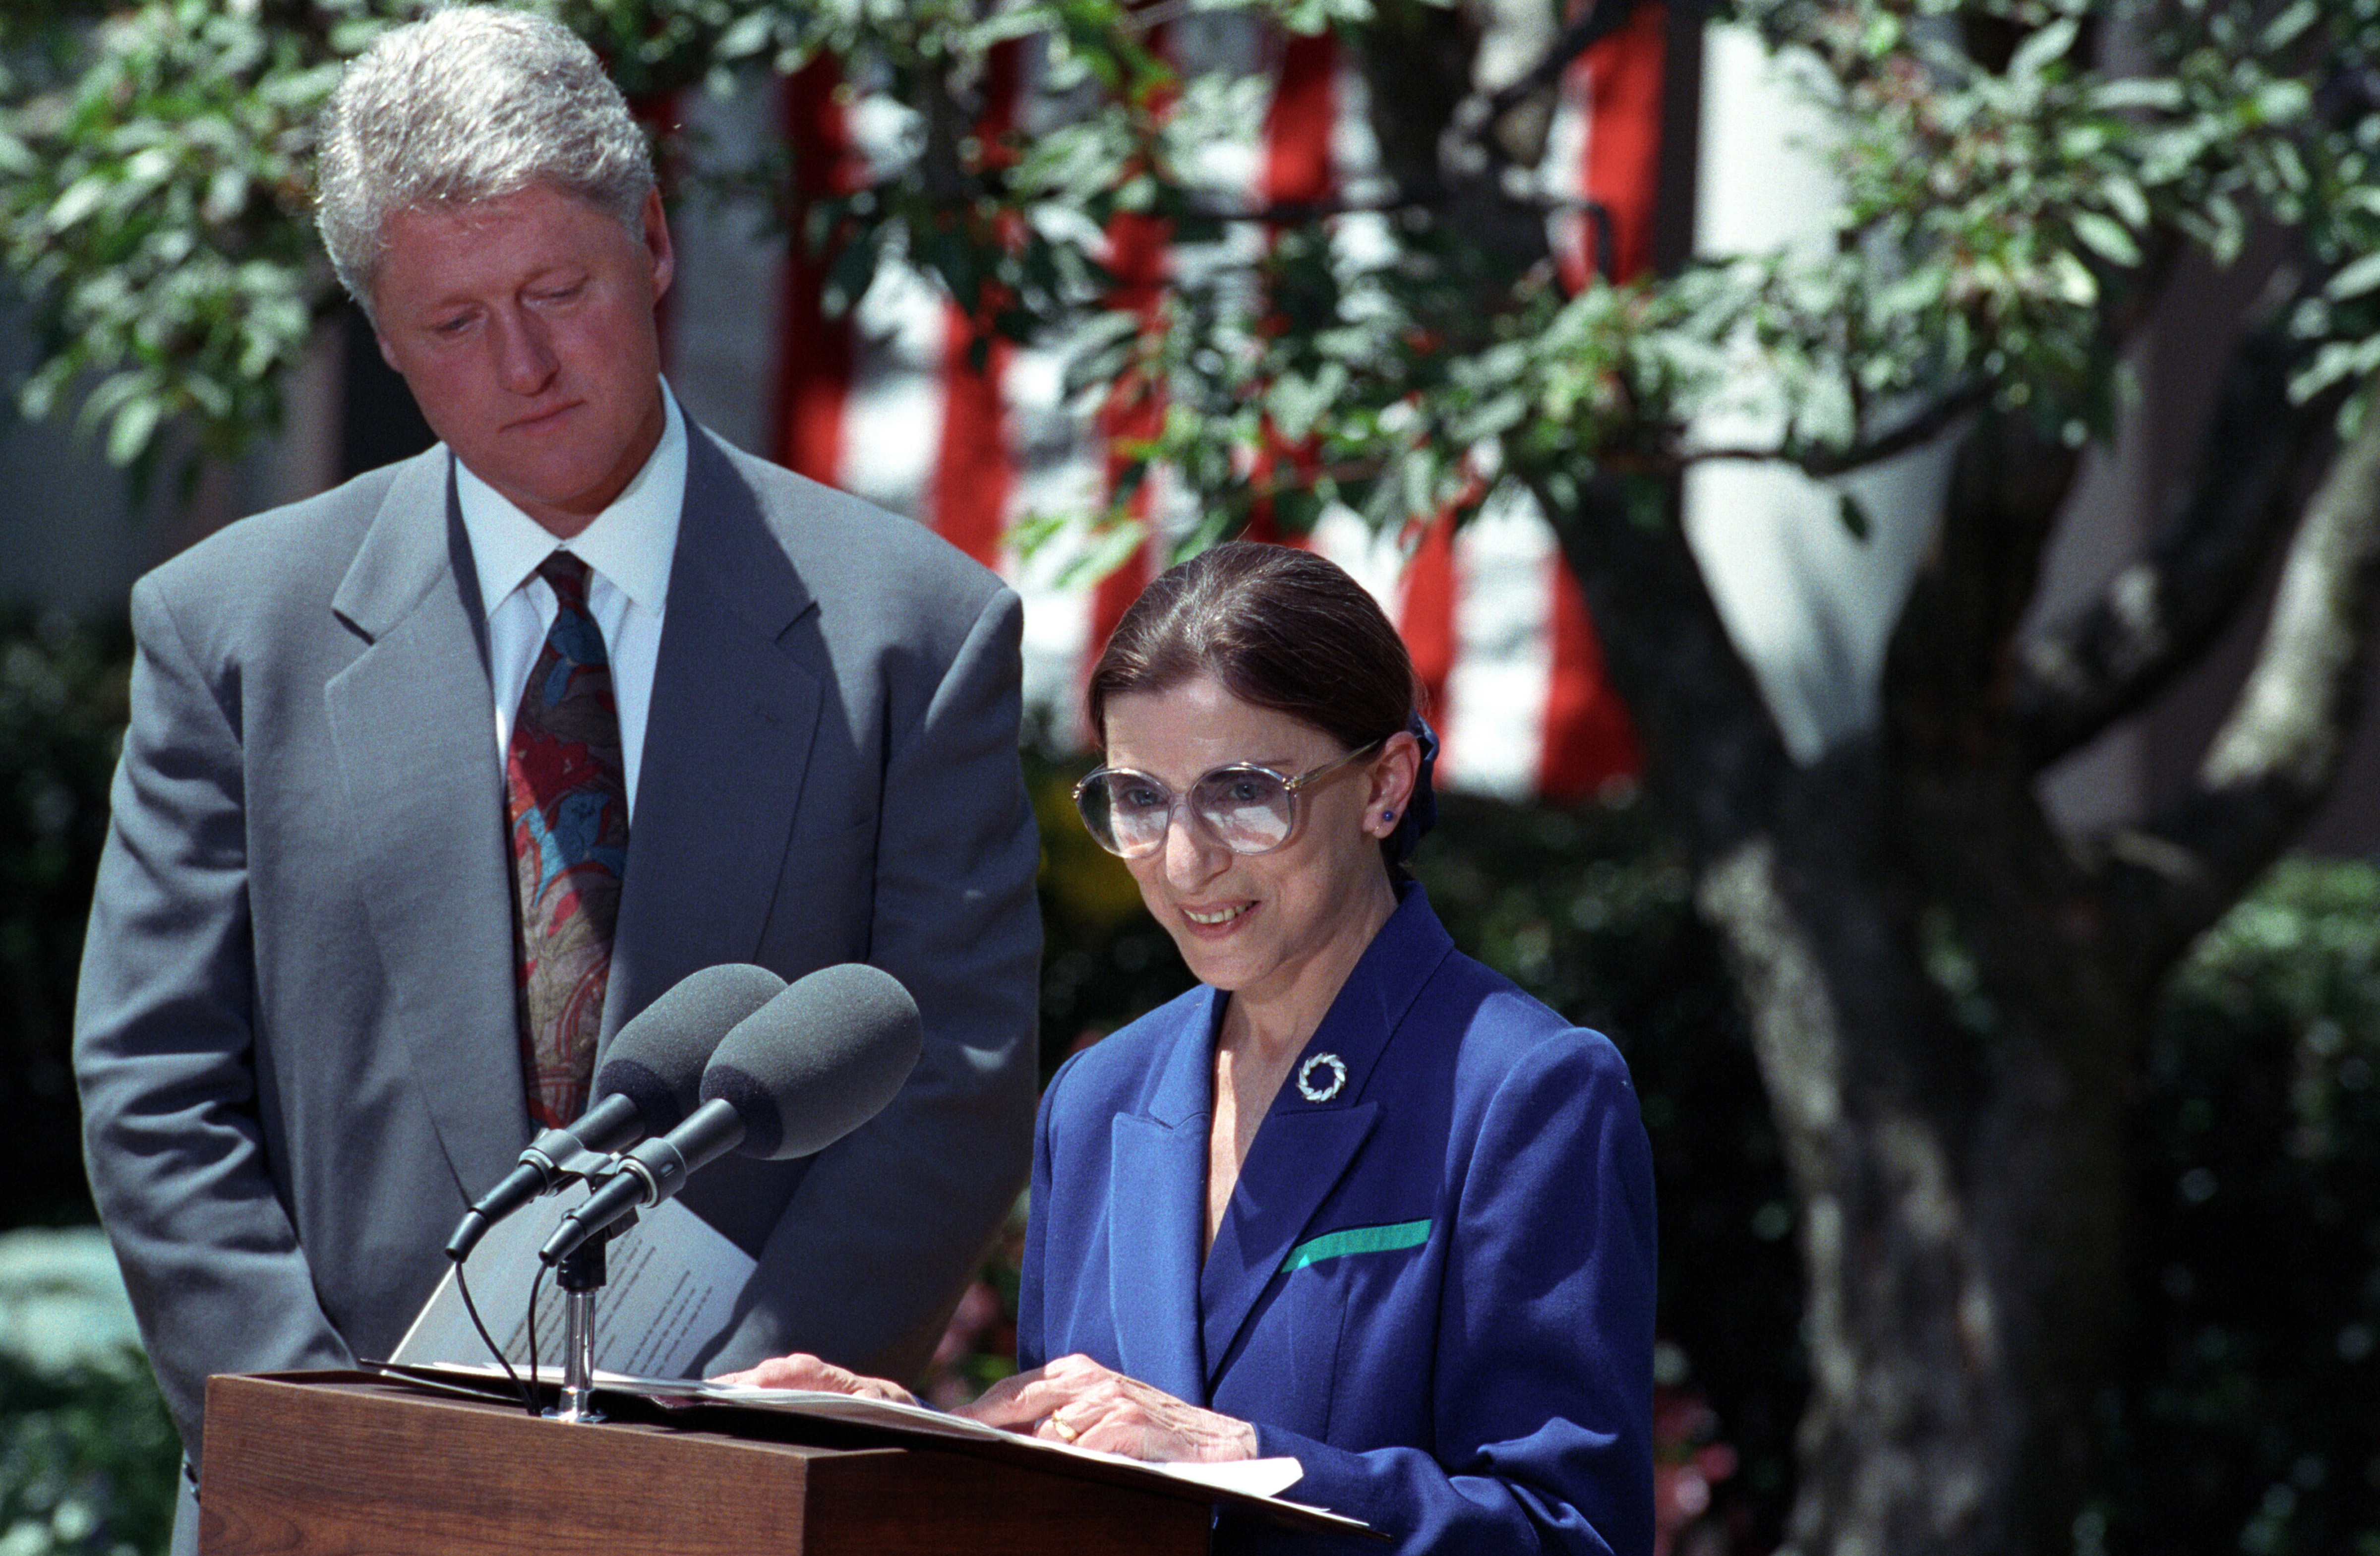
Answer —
(1075, 1400)
(802, 1370)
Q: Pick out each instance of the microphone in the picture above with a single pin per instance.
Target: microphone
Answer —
(798, 1075)
(647, 1084)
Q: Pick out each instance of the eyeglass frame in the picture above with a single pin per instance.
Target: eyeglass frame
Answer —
(1176, 799)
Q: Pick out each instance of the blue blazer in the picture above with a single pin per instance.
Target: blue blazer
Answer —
(1434, 1284)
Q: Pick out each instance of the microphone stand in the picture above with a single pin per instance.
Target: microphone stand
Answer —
(581, 1274)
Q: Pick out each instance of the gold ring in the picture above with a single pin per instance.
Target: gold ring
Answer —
(1064, 1430)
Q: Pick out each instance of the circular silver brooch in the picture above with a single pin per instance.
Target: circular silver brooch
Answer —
(1313, 1093)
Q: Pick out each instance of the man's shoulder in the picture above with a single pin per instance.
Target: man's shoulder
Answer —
(297, 550)
(833, 537)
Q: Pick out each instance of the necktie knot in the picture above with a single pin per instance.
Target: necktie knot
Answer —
(567, 575)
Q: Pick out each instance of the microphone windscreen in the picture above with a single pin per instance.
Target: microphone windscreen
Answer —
(657, 1060)
(818, 1060)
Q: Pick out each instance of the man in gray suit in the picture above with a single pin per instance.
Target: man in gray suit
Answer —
(297, 1035)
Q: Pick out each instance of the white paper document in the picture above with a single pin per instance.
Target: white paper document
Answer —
(1253, 1477)
(672, 1289)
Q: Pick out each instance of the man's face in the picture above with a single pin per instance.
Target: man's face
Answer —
(524, 326)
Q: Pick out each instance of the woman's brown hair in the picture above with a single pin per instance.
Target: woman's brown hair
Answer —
(1277, 627)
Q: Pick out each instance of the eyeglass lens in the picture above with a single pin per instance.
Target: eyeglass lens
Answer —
(1246, 808)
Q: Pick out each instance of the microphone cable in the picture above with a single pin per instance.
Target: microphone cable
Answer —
(528, 1393)
(535, 1282)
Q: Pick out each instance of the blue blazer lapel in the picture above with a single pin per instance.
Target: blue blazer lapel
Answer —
(1297, 1160)
(1157, 1188)
(412, 722)
(726, 743)
(1307, 1145)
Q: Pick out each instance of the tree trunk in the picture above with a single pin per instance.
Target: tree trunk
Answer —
(1956, 1144)
(1945, 1052)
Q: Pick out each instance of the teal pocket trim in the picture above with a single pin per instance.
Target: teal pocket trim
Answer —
(1358, 1240)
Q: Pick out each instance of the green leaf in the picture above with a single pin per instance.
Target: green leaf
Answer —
(2282, 101)
(2154, 93)
(2071, 282)
(82, 197)
(1111, 547)
(128, 438)
(2335, 363)
(2288, 27)
(2043, 49)
(2357, 280)
(2124, 197)
(1493, 416)
(1034, 529)
(747, 35)
(2107, 237)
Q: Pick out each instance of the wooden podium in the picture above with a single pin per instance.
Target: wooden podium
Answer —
(347, 1463)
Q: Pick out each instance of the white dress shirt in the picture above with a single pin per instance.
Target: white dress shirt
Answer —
(627, 552)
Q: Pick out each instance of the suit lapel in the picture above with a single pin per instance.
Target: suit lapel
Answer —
(1297, 1160)
(726, 742)
(412, 724)
(1156, 1183)
(1306, 1147)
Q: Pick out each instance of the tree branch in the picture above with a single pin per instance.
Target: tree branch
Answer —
(1418, 63)
(1915, 432)
(1598, 20)
(2279, 751)
(2156, 617)
(1948, 671)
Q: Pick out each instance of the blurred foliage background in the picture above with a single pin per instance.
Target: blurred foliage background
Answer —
(62, 709)
(87, 1451)
(2243, 1421)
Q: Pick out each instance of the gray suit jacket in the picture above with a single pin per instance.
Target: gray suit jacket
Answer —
(296, 1035)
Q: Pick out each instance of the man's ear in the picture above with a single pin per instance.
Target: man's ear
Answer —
(657, 243)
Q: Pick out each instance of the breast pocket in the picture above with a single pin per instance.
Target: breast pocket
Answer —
(1337, 1297)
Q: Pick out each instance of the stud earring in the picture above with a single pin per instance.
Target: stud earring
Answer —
(1388, 815)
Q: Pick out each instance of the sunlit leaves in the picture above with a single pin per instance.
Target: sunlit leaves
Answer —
(154, 214)
(2007, 204)
(2003, 214)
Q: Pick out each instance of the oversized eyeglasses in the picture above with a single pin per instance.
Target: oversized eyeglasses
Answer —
(1248, 809)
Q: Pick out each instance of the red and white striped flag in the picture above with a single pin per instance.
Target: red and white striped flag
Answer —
(901, 402)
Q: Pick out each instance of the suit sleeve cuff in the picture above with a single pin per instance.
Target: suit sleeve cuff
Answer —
(1334, 1478)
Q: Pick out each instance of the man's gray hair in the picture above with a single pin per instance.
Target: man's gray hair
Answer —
(469, 105)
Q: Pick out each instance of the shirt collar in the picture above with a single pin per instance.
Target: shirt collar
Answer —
(630, 543)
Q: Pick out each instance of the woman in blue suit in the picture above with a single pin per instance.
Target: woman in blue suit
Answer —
(1355, 1198)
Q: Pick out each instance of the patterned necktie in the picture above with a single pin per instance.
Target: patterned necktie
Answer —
(566, 795)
